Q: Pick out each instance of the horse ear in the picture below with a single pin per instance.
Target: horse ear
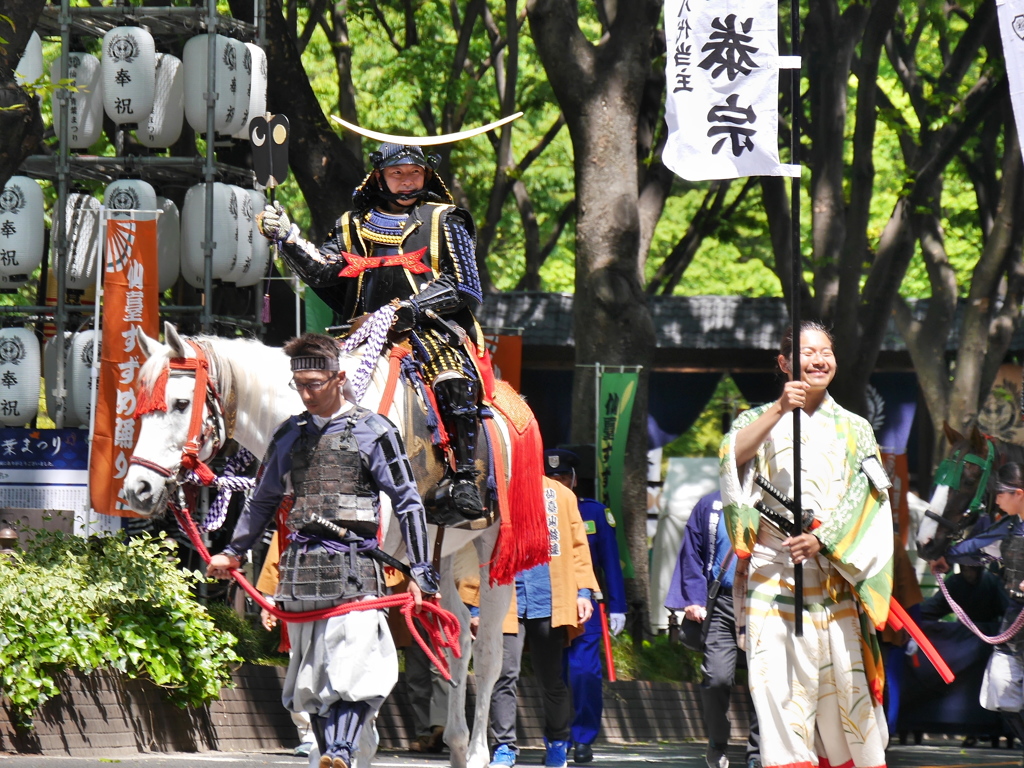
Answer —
(174, 340)
(148, 346)
(952, 435)
(977, 439)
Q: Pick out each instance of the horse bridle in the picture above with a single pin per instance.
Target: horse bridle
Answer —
(949, 473)
(204, 392)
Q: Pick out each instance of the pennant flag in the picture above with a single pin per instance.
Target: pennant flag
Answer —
(130, 296)
(722, 95)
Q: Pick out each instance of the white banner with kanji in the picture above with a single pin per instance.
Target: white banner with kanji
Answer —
(722, 94)
(1011, 30)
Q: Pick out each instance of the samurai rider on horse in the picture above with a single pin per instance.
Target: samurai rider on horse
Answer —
(406, 244)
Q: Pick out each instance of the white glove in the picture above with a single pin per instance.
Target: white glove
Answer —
(911, 647)
(616, 622)
(274, 223)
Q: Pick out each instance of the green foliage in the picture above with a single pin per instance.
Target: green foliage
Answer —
(84, 604)
(705, 436)
(657, 660)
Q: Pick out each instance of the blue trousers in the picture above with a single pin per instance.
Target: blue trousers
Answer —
(584, 662)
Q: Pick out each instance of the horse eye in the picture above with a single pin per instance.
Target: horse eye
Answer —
(182, 405)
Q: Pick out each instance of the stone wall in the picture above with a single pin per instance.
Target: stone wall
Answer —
(105, 714)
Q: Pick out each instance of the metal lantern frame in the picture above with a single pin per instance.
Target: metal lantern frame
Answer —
(165, 23)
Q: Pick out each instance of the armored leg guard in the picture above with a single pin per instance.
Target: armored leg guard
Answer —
(457, 399)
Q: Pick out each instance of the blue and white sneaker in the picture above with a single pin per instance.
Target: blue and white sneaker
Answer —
(504, 757)
(556, 752)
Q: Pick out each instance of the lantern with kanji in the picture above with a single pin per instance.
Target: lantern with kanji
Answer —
(85, 102)
(19, 376)
(229, 77)
(130, 195)
(129, 74)
(21, 231)
(257, 91)
(243, 234)
(79, 373)
(252, 272)
(163, 126)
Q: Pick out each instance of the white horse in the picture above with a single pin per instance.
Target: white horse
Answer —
(249, 388)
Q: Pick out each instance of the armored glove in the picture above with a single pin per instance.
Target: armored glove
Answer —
(405, 317)
(275, 225)
(426, 578)
(616, 622)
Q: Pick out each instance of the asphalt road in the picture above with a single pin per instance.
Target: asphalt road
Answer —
(937, 753)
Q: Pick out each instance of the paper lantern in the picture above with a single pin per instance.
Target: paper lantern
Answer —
(50, 351)
(168, 243)
(243, 235)
(82, 214)
(163, 126)
(129, 74)
(85, 105)
(258, 89)
(130, 195)
(193, 233)
(79, 373)
(19, 376)
(230, 78)
(30, 66)
(251, 273)
(242, 87)
(21, 230)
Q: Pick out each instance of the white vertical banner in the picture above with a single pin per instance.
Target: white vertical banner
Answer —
(722, 94)
(1011, 30)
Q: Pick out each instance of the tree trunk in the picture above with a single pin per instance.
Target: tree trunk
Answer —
(21, 126)
(599, 88)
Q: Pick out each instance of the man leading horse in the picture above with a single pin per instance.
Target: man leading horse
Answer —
(405, 243)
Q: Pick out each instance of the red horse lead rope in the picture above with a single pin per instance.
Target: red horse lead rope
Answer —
(441, 627)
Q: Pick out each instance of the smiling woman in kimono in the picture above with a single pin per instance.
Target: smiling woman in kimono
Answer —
(818, 697)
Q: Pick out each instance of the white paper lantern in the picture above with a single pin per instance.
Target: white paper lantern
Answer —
(79, 374)
(50, 375)
(82, 215)
(256, 269)
(228, 74)
(168, 242)
(129, 74)
(242, 87)
(85, 105)
(258, 89)
(130, 195)
(20, 365)
(30, 66)
(193, 233)
(163, 127)
(243, 235)
(21, 230)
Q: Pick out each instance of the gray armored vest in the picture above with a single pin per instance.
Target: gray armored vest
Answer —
(331, 484)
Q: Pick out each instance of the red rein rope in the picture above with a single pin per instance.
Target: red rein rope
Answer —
(441, 627)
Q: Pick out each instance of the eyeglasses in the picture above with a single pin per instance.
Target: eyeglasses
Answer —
(313, 386)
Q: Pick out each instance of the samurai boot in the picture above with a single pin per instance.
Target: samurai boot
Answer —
(342, 726)
(457, 400)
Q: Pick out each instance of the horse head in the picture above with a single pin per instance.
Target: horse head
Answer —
(961, 483)
(173, 438)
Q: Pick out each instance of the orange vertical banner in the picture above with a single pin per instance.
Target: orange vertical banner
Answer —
(506, 356)
(130, 304)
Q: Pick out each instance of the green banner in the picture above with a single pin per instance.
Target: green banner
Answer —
(318, 315)
(615, 405)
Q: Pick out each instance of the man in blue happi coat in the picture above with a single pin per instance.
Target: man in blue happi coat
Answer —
(584, 656)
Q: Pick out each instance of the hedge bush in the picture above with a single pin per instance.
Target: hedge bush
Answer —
(84, 604)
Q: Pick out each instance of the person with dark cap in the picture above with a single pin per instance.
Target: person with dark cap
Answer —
(405, 243)
(584, 656)
(341, 669)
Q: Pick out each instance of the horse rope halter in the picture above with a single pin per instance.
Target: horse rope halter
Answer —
(949, 474)
(190, 470)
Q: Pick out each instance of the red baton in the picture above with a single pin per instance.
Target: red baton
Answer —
(607, 638)
(900, 619)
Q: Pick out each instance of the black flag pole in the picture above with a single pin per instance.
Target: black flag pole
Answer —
(798, 571)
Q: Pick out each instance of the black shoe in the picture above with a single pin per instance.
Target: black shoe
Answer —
(582, 753)
(466, 497)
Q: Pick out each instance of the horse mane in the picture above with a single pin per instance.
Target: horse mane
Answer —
(240, 368)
